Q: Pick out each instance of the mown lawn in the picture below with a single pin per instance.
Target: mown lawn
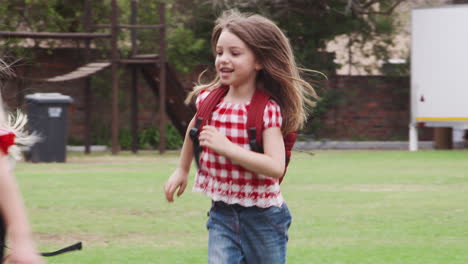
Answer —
(358, 207)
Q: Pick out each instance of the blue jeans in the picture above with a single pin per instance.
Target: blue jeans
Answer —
(247, 235)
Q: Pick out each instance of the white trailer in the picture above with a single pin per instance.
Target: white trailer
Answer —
(439, 69)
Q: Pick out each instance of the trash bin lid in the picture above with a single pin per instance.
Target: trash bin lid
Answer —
(49, 98)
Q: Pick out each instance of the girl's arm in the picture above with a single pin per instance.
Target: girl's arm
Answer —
(270, 163)
(22, 249)
(178, 179)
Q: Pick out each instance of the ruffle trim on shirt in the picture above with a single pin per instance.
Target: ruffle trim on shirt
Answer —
(256, 197)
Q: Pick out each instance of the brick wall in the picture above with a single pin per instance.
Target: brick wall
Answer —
(369, 107)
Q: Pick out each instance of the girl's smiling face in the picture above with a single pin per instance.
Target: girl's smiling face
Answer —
(235, 62)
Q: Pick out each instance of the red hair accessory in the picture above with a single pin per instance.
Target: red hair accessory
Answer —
(7, 139)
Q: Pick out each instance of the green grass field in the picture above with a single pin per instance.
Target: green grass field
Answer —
(348, 207)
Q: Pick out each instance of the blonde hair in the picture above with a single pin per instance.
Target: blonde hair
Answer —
(280, 76)
(14, 122)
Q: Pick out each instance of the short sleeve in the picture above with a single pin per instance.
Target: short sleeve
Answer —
(7, 138)
(272, 115)
(201, 97)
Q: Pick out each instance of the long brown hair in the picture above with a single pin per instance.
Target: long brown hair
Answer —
(280, 75)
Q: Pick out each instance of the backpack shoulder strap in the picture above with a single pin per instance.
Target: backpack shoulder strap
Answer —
(255, 119)
(255, 127)
(203, 115)
(210, 102)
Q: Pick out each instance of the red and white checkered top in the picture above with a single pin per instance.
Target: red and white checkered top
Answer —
(223, 181)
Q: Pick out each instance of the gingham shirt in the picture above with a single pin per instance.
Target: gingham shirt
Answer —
(218, 177)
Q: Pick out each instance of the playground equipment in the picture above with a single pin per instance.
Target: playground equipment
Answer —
(439, 77)
(154, 67)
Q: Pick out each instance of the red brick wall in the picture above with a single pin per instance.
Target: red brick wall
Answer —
(370, 107)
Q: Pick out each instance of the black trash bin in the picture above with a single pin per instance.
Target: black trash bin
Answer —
(47, 117)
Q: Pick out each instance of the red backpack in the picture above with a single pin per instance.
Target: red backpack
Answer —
(254, 123)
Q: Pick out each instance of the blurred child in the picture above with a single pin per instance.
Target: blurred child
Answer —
(13, 219)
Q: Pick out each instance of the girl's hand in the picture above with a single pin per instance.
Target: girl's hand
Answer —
(211, 138)
(23, 254)
(178, 180)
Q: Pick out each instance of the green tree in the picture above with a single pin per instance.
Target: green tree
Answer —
(308, 24)
(67, 16)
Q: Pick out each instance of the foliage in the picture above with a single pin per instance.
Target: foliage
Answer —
(101, 132)
(182, 45)
(148, 138)
(125, 138)
(184, 48)
(173, 138)
(308, 24)
(67, 16)
(49, 16)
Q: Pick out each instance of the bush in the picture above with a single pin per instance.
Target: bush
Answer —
(125, 138)
(173, 138)
(149, 138)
